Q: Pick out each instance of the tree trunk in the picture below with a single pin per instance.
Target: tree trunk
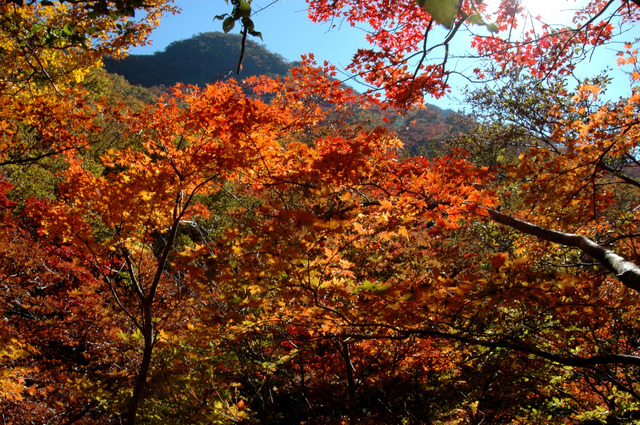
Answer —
(146, 301)
(143, 371)
(351, 384)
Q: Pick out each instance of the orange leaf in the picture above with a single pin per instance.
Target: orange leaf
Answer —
(498, 260)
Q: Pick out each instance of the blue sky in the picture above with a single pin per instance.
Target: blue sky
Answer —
(286, 30)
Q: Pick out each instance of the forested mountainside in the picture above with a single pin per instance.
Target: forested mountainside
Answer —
(202, 59)
(214, 56)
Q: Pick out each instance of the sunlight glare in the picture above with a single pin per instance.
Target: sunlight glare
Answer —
(554, 12)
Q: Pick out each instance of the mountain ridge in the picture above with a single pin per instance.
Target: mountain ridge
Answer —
(199, 60)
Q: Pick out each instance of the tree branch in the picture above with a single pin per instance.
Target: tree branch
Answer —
(627, 272)
(619, 174)
(525, 348)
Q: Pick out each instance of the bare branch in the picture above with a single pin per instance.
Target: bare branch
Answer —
(627, 272)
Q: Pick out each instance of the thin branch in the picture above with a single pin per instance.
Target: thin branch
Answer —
(244, 42)
(523, 347)
(619, 174)
(132, 274)
(122, 307)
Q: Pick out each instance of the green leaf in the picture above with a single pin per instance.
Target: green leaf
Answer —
(248, 24)
(68, 30)
(373, 287)
(443, 11)
(475, 19)
(244, 9)
(255, 34)
(228, 24)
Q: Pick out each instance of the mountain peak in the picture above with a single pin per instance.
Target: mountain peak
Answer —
(202, 59)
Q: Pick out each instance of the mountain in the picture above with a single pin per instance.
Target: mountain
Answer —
(198, 60)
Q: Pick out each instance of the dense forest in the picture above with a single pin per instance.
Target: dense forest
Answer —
(211, 57)
(268, 250)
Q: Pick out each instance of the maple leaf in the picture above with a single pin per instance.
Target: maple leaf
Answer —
(498, 260)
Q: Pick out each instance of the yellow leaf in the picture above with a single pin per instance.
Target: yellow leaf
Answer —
(402, 231)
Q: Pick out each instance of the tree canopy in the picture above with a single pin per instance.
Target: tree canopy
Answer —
(253, 252)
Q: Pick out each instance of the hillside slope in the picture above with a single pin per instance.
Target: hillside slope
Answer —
(199, 60)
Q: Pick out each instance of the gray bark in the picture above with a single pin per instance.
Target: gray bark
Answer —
(627, 272)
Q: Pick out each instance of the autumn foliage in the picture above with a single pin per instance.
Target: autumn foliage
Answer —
(248, 252)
